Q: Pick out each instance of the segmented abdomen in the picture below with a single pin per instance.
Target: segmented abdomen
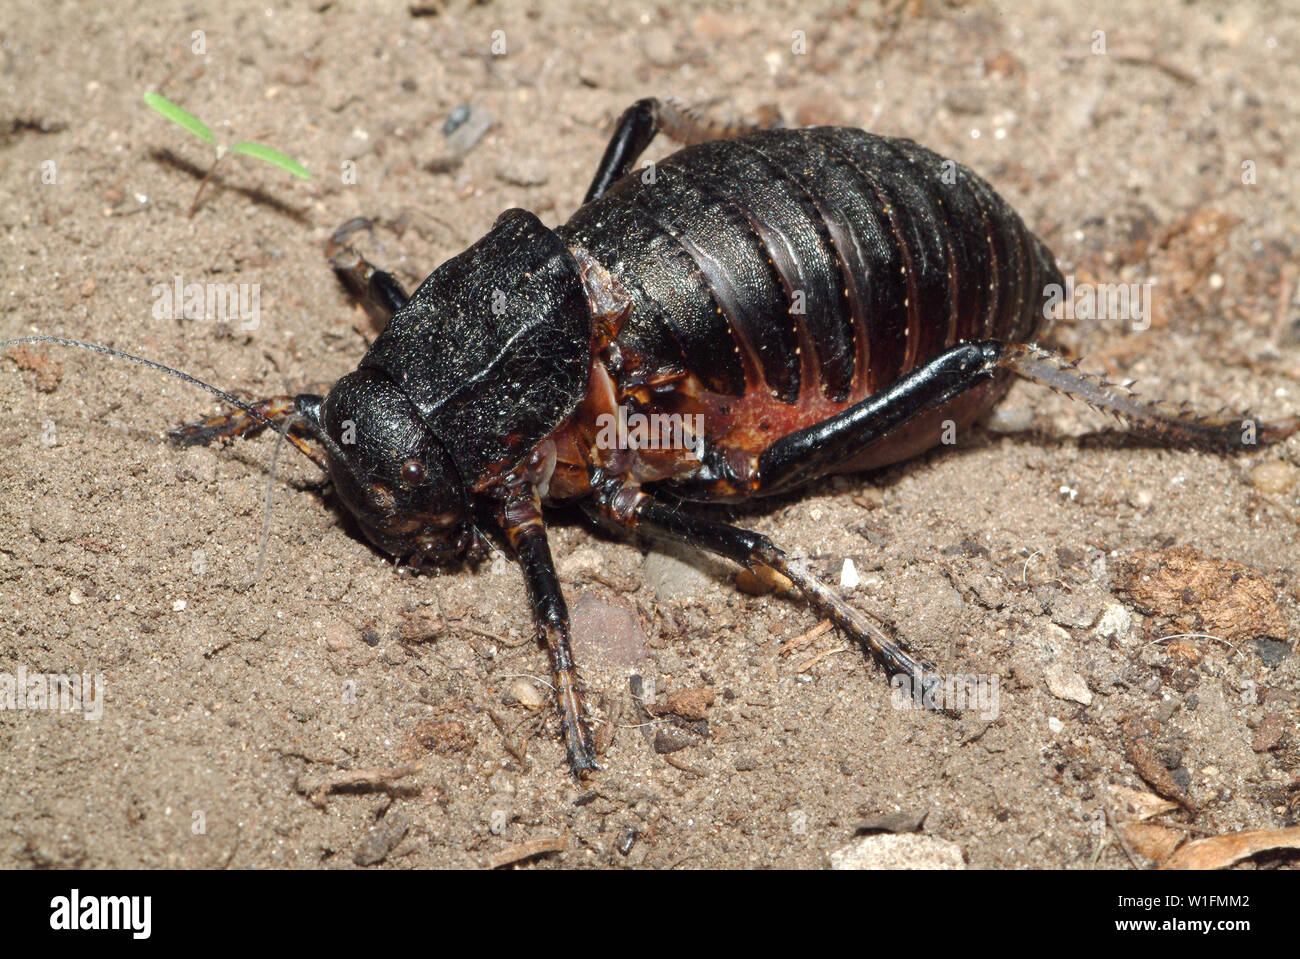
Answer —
(823, 260)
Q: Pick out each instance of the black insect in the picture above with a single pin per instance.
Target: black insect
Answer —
(777, 304)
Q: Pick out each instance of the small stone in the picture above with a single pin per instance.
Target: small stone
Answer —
(904, 821)
(607, 632)
(870, 497)
(1269, 733)
(660, 49)
(1075, 611)
(461, 140)
(382, 839)
(1141, 499)
(526, 694)
(676, 572)
(456, 119)
(668, 740)
(1055, 725)
(579, 563)
(691, 703)
(906, 851)
(524, 171)
(1010, 419)
(75, 597)
(1274, 477)
(849, 578)
(1064, 684)
(1115, 622)
(178, 606)
(763, 580)
(338, 636)
(964, 99)
(1004, 64)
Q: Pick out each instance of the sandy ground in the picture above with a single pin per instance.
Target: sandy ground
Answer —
(228, 709)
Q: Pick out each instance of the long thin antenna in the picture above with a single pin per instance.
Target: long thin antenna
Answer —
(281, 433)
(179, 374)
(109, 351)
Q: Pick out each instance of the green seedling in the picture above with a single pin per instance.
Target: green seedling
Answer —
(193, 124)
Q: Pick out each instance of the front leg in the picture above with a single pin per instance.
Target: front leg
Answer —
(520, 517)
(302, 412)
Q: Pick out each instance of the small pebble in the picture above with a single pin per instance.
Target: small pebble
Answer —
(1064, 684)
(905, 851)
(178, 605)
(527, 694)
(456, 120)
(964, 99)
(381, 839)
(669, 740)
(609, 633)
(849, 578)
(524, 171)
(1010, 419)
(75, 597)
(463, 139)
(1115, 622)
(1274, 477)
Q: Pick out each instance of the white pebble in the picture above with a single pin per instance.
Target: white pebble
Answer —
(849, 578)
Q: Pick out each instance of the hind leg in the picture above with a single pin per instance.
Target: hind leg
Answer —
(812, 452)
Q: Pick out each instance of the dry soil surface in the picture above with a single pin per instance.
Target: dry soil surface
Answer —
(340, 711)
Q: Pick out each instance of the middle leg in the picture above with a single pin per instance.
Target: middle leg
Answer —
(631, 509)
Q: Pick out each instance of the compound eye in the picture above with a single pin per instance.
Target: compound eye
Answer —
(413, 472)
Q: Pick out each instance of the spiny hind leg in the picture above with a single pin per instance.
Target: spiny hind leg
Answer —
(644, 119)
(812, 452)
(1173, 424)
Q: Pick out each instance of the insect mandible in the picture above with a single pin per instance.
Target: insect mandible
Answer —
(777, 304)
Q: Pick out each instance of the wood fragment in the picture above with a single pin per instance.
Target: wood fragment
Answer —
(684, 767)
(527, 850)
(1134, 805)
(1151, 769)
(812, 661)
(803, 639)
(1219, 852)
(317, 788)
